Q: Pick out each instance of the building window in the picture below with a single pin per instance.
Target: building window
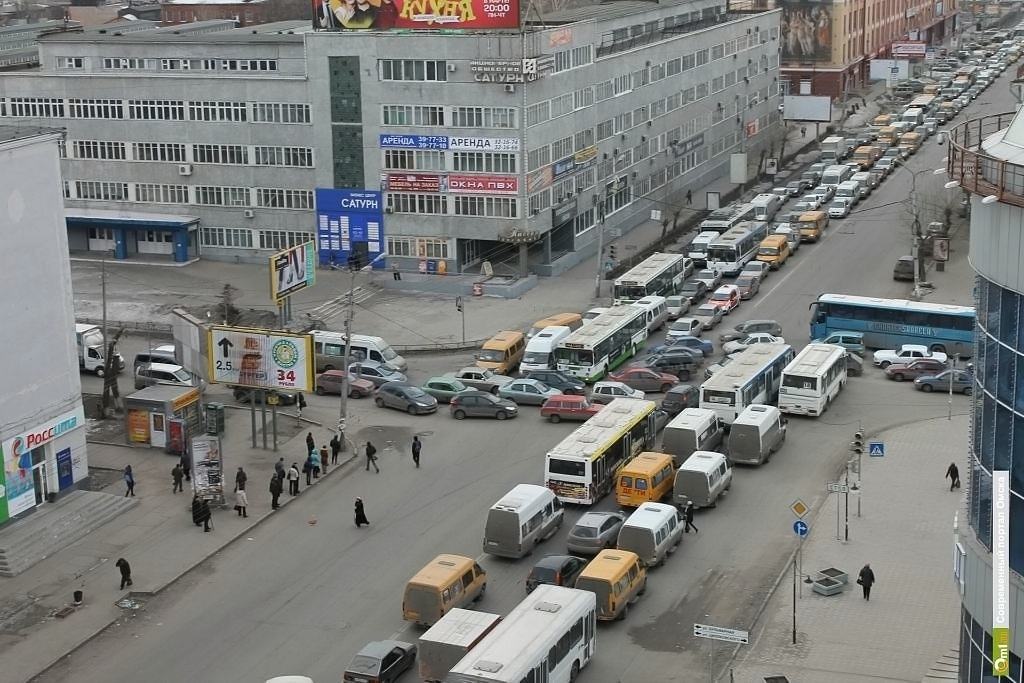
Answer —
(538, 113)
(95, 189)
(156, 110)
(484, 162)
(412, 115)
(604, 91)
(622, 84)
(219, 195)
(540, 202)
(583, 139)
(282, 239)
(701, 57)
(217, 111)
(583, 222)
(537, 158)
(226, 237)
(484, 117)
(560, 149)
(413, 70)
(583, 98)
(299, 157)
(273, 112)
(430, 248)
(401, 202)
(248, 65)
(97, 149)
(605, 130)
(401, 246)
(70, 62)
(414, 160)
(95, 109)
(277, 198)
(220, 154)
(124, 63)
(161, 194)
(158, 151)
(37, 107)
(562, 105)
(491, 207)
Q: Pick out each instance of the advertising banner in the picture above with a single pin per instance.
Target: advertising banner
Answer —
(456, 144)
(262, 359)
(414, 182)
(484, 184)
(207, 467)
(806, 30)
(138, 426)
(349, 221)
(1001, 573)
(291, 270)
(382, 15)
(909, 48)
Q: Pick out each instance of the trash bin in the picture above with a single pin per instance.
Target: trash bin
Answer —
(78, 595)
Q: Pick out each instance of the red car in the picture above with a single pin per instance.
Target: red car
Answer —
(329, 382)
(922, 367)
(569, 407)
(645, 379)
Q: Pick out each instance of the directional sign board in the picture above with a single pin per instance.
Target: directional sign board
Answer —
(730, 635)
(800, 528)
(837, 487)
(876, 449)
(262, 359)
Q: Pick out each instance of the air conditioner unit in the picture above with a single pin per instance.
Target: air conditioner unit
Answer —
(184, 169)
(451, 67)
(249, 213)
(510, 87)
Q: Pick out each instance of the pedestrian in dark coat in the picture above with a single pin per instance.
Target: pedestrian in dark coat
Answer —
(293, 479)
(129, 481)
(201, 512)
(240, 478)
(177, 474)
(279, 468)
(689, 197)
(416, 446)
(126, 572)
(323, 458)
(953, 474)
(310, 442)
(361, 514)
(866, 579)
(371, 457)
(307, 469)
(275, 492)
(688, 518)
(186, 466)
(335, 449)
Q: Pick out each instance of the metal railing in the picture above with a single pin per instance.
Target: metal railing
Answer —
(979, 172)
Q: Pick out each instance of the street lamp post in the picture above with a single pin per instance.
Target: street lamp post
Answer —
(614, 186)
(919, 274)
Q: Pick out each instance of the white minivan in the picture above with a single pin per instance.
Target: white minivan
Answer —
(756, 433)
(766, 206)
(525, 516)
(693, 429)
(329, 348)
(698, 250)
(700, 480)
(655, 309)
(540, 350)
(652, 532)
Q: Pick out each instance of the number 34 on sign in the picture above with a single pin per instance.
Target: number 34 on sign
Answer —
(262, 359)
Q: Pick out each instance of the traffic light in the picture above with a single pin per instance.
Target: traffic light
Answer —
(857, 445)
(611, 251)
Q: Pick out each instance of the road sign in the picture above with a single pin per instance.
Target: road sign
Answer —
(261, 359)
(800, 528)
(876, 449)
(731, 635)
(836, 487)
(799, 508)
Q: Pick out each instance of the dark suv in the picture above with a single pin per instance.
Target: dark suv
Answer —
(558, 380)
(695, 290)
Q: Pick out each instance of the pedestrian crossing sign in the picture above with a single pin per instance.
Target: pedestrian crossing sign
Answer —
(876, 449)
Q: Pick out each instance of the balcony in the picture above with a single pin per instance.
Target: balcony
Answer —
(982, 173)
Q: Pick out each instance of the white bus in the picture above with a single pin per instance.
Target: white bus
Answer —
(736, 247)
(658, 275)
(547, 638)
(813, 379)
(753, 376)
(582, 468)
(727, 217)
(603, 344)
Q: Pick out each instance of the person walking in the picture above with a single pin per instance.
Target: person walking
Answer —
(310, 442)
(300, 402)
(335, 449)
(416, 446)
(242, 502)
(953, 474)
(201, 513)
(293, 479)
(314, 463)
(323, 458)
(866, 579)
(186, 466)
(395, 273)
(361, 514)
(240, 478)
(126, 572)
(275, 492)
(688, 518)
(280, 469)
(307, 469)
(177, 474)
(689, 197)
(129, 481)
(371, 457)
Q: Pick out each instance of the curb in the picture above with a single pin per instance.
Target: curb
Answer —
(184, 572)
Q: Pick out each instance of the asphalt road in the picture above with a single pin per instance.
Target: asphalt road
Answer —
(301, 598)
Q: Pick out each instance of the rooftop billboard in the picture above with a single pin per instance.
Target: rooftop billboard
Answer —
(415, 14)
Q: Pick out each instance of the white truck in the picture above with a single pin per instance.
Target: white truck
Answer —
(833, 150)
(906, 353)
(89, 339)
(445, 643)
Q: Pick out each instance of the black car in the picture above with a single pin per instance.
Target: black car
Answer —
(558, 380)
(555, 570)
(680, 397)
(695, 290)
(688, 353)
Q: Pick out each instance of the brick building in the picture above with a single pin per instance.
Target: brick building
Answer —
(246, 13)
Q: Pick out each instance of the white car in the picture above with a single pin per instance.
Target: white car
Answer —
(906, 353)
(813, 200)
(684, 327)
(605, 392)
(755, 338)
(823, 192)
(712, 278)
(839, 208)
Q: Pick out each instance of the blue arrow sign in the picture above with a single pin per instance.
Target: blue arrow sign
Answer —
(800, 528)
(876, 449)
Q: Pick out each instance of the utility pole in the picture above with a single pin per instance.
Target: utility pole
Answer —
(857, 446)
(460, 306)
(600, 244)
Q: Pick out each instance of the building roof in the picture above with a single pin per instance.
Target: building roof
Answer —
(602, 11)
(199, 31)
(212, 2)
(13, 133)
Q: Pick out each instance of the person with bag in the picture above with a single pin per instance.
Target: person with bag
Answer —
(126, 572)
(300, 401)
(241, 502)
(240, 478)
(361, 514)
(275, 492)
(866, 579)
(177, 474)
(201, 513)
(293, 479)
(953, 474)
(371, 457)
(688, 518)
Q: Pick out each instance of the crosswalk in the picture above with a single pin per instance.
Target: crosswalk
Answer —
(336, 306)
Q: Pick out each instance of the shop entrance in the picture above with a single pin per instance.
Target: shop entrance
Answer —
(39, 482)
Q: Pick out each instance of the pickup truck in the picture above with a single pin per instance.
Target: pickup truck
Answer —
(905, 354)
(480, 378)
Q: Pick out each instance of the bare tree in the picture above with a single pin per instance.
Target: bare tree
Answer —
(228, 296)
(111, 392)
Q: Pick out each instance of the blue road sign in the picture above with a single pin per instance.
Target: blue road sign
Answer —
(800, 528)
(876, 449)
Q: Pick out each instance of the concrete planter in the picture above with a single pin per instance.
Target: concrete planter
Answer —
(835, 574)
(826, 586)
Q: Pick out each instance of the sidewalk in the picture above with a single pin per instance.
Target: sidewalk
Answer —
(156, 536)
(906, 534)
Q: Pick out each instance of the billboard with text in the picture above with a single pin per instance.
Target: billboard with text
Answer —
(382, 15)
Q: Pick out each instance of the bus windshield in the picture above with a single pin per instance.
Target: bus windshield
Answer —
(491, 355)
(572, 468)
(726, 398)
(575, 356)
(798, 382)
(630, 292)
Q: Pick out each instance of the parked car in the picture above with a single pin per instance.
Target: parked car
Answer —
(708, 315)
(482, 404)
(480, 378)
(686, 341)
(883, 358)
(922, 367)
(444, 388)
(695, 290)
(963, 382)
(804, 207)
(605, 392)
(884, 167)
(329, 382)
(711, 278)
(569, 407)
(149, 374)
(823, 192)
(401, 396)
(748, 285)
(755, 338)
(840, 207)
(376, 372)
(284, 398)
(851, 341)
(558, 380)
(594, 532)
(904, 268)
(685, 327)
(680, 397)
(382, 661)
(645, 379)
(527, 392)
(555, 570)
(748, 327)
(726, 298)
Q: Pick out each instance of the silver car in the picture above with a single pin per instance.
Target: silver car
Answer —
(708, 315)
(378, 373)
(594, 532)
(527, 392)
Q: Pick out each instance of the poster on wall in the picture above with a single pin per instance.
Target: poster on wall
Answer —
(138, 426)
(382, 15)
(806, 30)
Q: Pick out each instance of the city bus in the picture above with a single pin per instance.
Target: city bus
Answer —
(660, 275)
(548, 637)
(582, 468)
(813, 379)
(603, 344)
(727, 217)
(736, 247)
(890, 323)
(753, 376)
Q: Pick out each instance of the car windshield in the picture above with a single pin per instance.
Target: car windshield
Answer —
(746, 281)
(388, 353)
(705, 312)
(720, 296)
(690, 286)
(182, 376)
(767, 251)
(535, 357)
(584, 531)
(415, 392)
(706, 274)
(490, 398)
(682, 325)
(491, 355)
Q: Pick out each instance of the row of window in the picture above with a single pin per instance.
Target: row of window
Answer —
(257, 155)
(249, 238)
(434, 115)
(202, 195)
(418, 247)
(168, 64)
(437, 160)
(456, 205)
(436, 70)
(152, 110)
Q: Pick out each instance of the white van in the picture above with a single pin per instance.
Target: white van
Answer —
(702, 479)
(699, 247)
(693, 429)
(329, 348)
(849, 189)
(593, 313)
(766, 206)
(834, 175)
(756, 433)
(652, 532)
(525, 516)
(540, 350)
(657, 312)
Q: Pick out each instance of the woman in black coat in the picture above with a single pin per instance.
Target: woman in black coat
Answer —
(361, 514)
(200, 512)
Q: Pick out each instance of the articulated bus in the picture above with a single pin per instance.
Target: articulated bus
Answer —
(736, 247)
(547, 638)
(582, 468)
(812, 381)
(727, 217)
(890, 323)
(603, 344)
(753, 376)
(659, 274)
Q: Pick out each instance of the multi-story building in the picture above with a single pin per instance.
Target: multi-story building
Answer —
(42, 423)
(245, 12)
(18, 43)
(192, 139)
(994, 175)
